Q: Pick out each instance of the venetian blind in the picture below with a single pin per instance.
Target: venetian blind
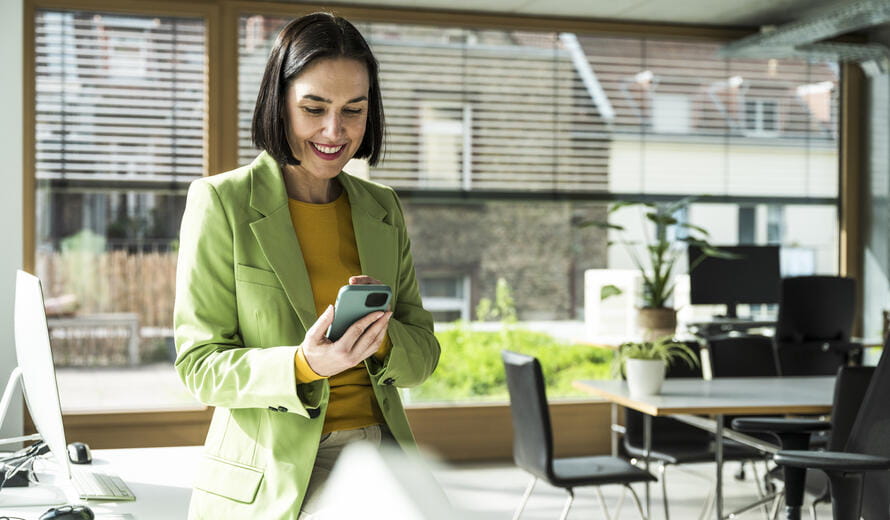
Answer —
(119, 98)
(470, 110)
(513, 111)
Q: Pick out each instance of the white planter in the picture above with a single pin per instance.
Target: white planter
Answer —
(644, 376)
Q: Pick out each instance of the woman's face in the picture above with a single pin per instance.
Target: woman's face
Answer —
(327, 108)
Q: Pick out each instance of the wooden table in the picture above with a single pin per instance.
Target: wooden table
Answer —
(686, 399)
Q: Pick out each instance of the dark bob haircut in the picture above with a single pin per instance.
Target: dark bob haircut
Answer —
(302, 41)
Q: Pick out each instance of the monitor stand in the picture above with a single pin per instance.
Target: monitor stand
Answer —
(731, 313)
(42, 494)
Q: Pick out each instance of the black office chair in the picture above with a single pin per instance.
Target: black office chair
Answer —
(814, 324)
(533, 442)
(675, 443)
(860, 482)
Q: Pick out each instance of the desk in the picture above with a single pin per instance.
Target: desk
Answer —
(161, 479)
(716, 326)
(683, 398)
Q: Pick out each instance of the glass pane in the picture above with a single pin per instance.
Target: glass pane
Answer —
(517, 112)
(120, 133)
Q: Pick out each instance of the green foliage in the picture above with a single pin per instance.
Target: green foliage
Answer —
(661, 252)
(607, 291)
(84, 241)
(470, 367)
(503, 308)
(80, 253)
(663, 349)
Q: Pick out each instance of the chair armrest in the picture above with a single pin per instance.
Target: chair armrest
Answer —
(831, 460)
(779, 425)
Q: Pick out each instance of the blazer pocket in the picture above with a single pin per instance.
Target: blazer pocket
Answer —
(246, 273)
(227, 479)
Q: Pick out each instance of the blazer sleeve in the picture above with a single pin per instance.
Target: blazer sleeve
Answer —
(415, 350)
(211, 358)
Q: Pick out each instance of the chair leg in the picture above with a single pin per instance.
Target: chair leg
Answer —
(528, 492)
(599, 494)
(662, 474)
(846, 494)
(565, 510)
(637, 502)
(709, 504)
(761, 492)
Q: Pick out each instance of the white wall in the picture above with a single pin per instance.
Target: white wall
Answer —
(11, 42)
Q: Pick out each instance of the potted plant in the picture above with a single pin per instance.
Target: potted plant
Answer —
(658, 260)
(643, 363)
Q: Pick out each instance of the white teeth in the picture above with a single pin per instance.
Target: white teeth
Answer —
(327, 149)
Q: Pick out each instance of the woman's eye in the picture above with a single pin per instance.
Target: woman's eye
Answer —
(352, 111)
(313, 110)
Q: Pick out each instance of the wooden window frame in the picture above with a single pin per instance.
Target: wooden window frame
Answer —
(444, 427)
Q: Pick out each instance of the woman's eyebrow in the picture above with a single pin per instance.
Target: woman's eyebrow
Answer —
(313, 97)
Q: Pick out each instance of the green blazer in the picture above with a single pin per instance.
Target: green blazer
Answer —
(243, 305)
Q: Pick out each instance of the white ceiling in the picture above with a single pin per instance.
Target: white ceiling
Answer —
(739, 13)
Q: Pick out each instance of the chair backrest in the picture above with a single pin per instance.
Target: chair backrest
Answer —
(815, 319)
(849, 391)
(667, 432)
(871, 434)
(532, 434)
(742, 356)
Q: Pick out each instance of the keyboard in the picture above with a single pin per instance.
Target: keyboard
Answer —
(99, 486)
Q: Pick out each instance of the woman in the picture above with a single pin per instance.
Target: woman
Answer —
(263, 252)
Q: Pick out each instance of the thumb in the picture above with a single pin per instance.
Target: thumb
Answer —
(320, 327)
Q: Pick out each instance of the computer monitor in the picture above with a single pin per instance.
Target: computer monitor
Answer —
(753, 277)
(38, 376)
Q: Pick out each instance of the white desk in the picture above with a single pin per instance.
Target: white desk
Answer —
(684, 398)
(161, 479)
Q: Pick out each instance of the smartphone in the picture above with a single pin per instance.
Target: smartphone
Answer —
(354, 302)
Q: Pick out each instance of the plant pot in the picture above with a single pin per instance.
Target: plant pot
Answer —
(654, 323)
(644, 376)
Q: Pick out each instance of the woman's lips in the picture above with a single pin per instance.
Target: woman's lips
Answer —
(326, 151)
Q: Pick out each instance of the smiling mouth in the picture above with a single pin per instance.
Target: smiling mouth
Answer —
(327, 152)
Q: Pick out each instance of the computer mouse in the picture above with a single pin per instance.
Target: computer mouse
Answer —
(79, 453)
(76, 512)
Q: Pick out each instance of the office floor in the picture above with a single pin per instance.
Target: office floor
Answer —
(494, 490)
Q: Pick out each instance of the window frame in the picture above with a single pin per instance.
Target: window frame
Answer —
(221, 139)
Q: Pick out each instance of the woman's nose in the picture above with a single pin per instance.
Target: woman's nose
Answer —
(333, 127)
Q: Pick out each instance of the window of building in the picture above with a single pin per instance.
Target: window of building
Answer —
(671, 113)
(445, 148)
(446, 296)
(761, 117)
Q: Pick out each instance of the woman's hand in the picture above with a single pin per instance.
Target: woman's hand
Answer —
(360, 341)
(364, 280)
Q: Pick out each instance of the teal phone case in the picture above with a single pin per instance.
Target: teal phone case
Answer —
(355, 302)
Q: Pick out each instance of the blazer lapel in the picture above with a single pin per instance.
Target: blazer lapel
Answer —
(376, 240)
(276, 237)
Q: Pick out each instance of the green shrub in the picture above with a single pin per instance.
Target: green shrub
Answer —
(470, 367)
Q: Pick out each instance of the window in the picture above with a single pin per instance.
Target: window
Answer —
(747, 225)
(119, 134)
(446, 296)
(671, 113)
(446, 145)
(761, 117)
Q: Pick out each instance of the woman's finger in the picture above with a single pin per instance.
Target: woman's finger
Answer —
(364, 280)
(355, 331)
(318, 329)
(370, 341)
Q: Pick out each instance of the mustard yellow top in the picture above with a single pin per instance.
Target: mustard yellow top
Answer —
(327, 241)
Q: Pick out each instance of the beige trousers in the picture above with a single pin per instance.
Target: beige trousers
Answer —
(328, 452)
